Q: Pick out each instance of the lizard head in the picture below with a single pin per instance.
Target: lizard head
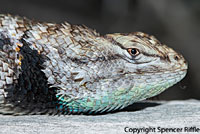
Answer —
(147, 66)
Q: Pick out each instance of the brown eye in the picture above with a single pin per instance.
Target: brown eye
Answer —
(133, 51)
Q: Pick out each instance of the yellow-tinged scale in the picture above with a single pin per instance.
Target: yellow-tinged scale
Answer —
(18, 44)
(17, 49)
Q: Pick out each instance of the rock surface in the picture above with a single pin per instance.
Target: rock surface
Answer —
(145, 115)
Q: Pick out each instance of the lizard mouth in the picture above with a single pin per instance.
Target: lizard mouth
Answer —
(184, 70)
(156, 72)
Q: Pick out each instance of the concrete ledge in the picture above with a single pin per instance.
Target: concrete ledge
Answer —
(154, 114)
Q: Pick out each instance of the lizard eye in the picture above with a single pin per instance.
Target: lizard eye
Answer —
(133, 51)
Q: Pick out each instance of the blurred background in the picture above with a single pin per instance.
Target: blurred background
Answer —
(175, 23)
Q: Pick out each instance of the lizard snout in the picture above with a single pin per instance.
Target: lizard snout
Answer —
(178, 61)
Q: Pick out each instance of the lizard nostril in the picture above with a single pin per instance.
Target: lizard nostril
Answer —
(176, 57)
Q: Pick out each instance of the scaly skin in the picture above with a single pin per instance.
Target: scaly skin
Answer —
(67, 69)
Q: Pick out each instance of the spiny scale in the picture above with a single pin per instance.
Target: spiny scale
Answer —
(48, 68)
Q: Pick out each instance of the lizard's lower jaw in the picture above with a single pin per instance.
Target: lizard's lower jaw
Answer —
(139, 87)
(123, 96)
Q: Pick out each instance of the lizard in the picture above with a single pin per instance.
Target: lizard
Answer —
(49, 68)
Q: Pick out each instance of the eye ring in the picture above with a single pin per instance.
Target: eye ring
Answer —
(133, 51)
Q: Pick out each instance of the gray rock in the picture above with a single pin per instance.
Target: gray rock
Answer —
(148, 114)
